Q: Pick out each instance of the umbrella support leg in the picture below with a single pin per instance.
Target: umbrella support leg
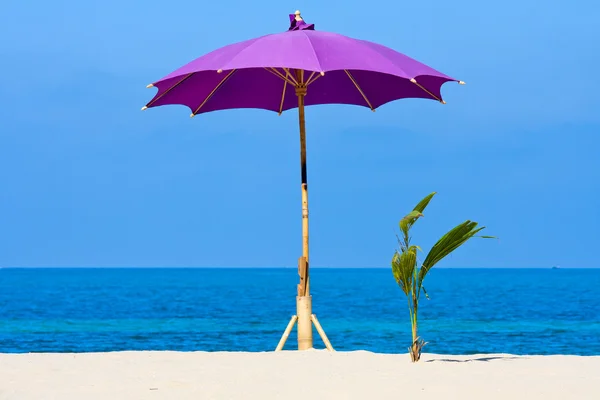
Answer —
(286, 333)
(312, 319)
(315, 321)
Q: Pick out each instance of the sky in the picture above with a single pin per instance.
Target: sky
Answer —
(88, 180)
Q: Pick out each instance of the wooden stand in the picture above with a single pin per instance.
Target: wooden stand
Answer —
(301, 342)
(304, 315)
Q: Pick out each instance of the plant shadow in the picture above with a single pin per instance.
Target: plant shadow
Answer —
(483, 359)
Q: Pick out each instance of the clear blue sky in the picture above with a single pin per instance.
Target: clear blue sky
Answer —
(89, 180)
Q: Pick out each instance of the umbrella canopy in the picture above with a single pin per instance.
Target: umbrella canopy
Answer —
(294, 69)
(260, 73)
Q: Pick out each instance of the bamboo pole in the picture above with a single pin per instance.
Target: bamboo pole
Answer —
(303, 311)
(303, 301)
(301, 92)
(286, 333)
(314, 319)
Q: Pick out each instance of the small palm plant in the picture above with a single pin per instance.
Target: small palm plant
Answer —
(405, 265)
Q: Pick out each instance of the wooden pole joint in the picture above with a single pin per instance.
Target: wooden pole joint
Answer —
(301, 90)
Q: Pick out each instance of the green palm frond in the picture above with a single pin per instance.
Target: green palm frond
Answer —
(423, 203)
(452, 240)
(408, 221)
(403, 268)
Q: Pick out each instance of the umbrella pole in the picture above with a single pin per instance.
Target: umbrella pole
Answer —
(304, 316)
(303, 300)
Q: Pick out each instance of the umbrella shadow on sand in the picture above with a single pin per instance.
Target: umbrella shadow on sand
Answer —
(485, 359)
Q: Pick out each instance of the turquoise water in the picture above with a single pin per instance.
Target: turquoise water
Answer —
(520, 311)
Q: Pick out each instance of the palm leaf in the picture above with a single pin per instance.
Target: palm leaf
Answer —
(423, 203)
(403, 268)
(397, 269)
(452, 240)
(408, 221)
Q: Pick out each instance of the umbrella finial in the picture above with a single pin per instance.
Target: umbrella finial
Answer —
(297, 23)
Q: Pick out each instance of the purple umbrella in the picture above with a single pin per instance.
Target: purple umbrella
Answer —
(298, 68)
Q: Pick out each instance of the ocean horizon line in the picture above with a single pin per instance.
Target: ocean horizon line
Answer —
(287, 267)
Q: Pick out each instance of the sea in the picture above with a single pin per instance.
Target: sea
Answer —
(469, 311)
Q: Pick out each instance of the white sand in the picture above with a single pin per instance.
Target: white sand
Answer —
(314, 374)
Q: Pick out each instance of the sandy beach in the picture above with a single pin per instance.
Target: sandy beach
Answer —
(315, 374)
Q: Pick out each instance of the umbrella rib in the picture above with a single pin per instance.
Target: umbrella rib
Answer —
(310, 78)
(288, 74)
(219, 85)
(279, 75)
(413, 80)
(359, 89)
(169, 89)
(282, 97)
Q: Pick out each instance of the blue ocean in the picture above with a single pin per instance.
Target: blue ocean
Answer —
(519, 311)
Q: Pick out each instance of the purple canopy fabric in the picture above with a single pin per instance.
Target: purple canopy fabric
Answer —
(342, 70)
